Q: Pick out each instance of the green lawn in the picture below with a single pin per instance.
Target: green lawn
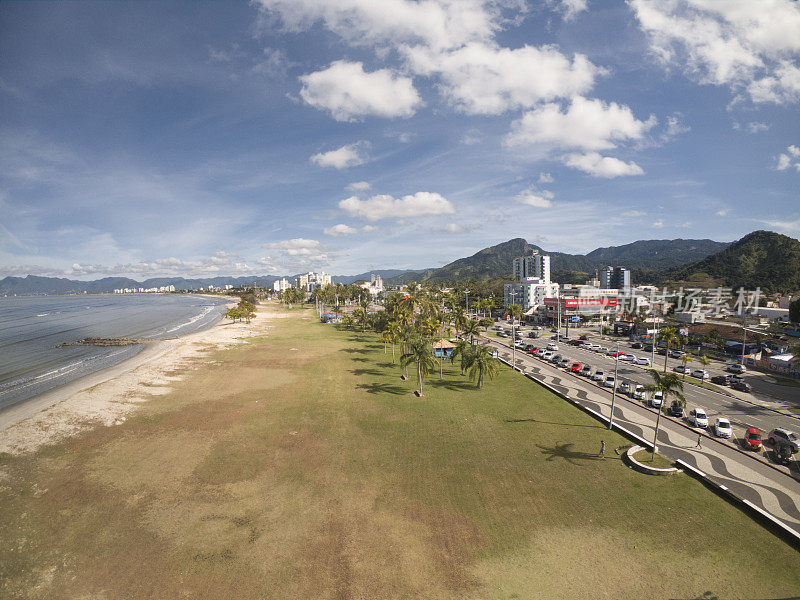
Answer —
(300, 465)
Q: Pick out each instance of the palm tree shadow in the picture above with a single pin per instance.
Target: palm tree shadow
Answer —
(357, 359)
(355, 350)
(387, 365)
(382, 388)
(365, 372)
(454, 386)
(565, 451)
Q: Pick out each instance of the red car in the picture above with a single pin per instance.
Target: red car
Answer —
(576, 367)
(752, 439)
(534, 350)
(613, 354)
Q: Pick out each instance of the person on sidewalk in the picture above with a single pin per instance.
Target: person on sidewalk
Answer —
(602, 449)
(699, 441)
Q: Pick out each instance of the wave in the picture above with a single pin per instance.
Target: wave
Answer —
(194, 319)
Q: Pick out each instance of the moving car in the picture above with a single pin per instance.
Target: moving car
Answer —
(741, 386)
(752, 439)
(676, 409)
(586, 370)
(642, 361)
(576, 367)
(722, 427)
(598, 375)
(784, 436)
(698, 418)
(584, 337)
(609, 382)
(700, 374)
(721, 379)
(738, 369)
(682, 369)
(553, 347)
(533, 335)
(638, 392)
(502, 334)
(657, 400)
(636, 345)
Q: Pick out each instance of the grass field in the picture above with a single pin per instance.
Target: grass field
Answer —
(300, 465)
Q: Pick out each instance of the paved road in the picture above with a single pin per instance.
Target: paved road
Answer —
(752, 478)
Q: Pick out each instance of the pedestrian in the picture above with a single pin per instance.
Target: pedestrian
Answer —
(699, 440)
(602, 449)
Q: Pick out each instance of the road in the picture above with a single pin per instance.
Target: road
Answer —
(751, 477)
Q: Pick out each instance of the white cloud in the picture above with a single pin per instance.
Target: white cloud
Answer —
(471, 137)
(545, 178)
(300, 252)
(384, 206)
(633, 213)
(358, 186)
(658, 224)
(748, 46)
(350, 155)
(722, 212)
(789, 159)
(350, 93)
(454, 228)
(536, 198)
(340, 230)
(790, 227)
(571, 8)
(585, 124)
(602, 166)
(757, 127)
(482, 78)
(369, 228)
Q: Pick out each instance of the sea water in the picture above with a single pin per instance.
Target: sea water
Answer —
(31, 328)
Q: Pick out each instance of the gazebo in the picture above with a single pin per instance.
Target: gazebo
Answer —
(443, 348)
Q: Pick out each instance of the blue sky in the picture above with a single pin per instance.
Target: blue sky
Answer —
(212, 138)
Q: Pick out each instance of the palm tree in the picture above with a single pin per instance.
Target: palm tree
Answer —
(669, 336)
(393, 334)
(420, 352)
(472, 328)
(481, 364)
(669, 384)
(703, 360)
(686, 358)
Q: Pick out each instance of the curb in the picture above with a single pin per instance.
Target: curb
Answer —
(642, 468)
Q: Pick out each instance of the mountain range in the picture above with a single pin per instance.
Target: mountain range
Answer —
(762, 259)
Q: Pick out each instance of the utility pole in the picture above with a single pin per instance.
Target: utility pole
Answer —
(744, 329)
(466, 291)
(614, 390)
(441, 343)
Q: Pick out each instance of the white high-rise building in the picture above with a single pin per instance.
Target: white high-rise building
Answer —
(535, 266)
(281, 285)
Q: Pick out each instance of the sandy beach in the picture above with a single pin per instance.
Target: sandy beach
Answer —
(106, 397)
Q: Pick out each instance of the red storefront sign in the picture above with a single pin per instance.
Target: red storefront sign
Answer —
(580, 302)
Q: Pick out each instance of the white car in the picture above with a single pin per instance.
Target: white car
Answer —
(623, 356)
(546, 355)
(722, 427)
(519, 345)
(642, 361)
(700, 374)
(698, 418)
(598, 376)
(594, 347)
(565, 363)
(682, 369)
(738, 369)
(603, 350)
(553, 347)
(657, 400)
(638, 392)
(609, 382)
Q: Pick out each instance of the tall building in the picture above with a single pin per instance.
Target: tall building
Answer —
(281, 285)
(618, 278)
(311, 280)
(534, 266)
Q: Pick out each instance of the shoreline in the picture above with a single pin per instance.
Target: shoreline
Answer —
(105, 397)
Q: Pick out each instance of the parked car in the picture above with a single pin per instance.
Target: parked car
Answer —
(611, 352)
(598, 375)
(682, 369)
(638, 392)
(741, 386)
(556, 359)
(502, 334)
(662, 351)
(698, 418)
(647, 347)
(657, 400)
(576, 367)
(602, 350)
(553, 347)
(677, 354)
(735, 379)
(636, 345)
(533, 335)
(519, 345)
(594, 347)
(626, 357)
(722, 427)
(609, 382)
(565, 363)
(642, 361)
(700, 374)
(738, 369)
(784, 436)
(584, 337)
(624, 388)
(534, 350)
(546, 355)
(720, 379)
(586, 370)
(752, 439)
(676, 409)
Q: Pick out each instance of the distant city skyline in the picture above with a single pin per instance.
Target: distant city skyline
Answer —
(283, 136)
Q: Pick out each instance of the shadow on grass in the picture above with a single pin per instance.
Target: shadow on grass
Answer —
(453, 386)
(532, 420)
(355, 350)
(566, 452)
(382, 388)
(387, 365)
(357, 359)
(365, 372)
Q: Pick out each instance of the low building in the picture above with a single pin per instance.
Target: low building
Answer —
(529, 294)
(443, 348)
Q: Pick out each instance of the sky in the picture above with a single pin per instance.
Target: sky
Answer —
(273, 137)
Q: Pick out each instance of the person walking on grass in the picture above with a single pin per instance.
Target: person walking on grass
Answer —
(602, 449)
(699, 441)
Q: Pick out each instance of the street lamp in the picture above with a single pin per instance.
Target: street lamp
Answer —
(441, 343)
(614, 390)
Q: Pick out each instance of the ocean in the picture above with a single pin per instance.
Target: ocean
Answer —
(32, 326)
